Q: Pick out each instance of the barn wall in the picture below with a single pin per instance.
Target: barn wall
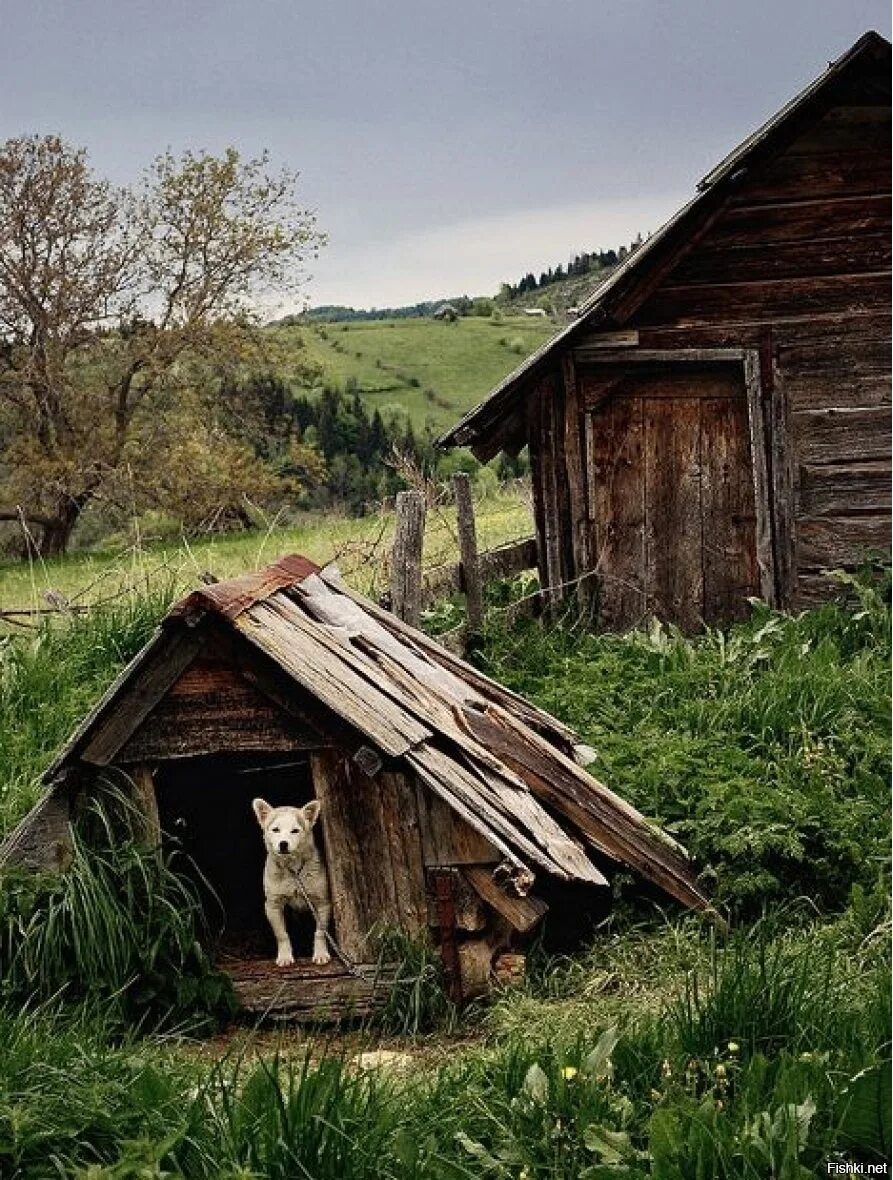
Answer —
(797, 266)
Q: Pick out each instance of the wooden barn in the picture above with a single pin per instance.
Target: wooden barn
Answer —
(716, 423)
(448, 803)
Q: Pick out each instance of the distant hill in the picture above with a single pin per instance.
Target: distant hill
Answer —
(425, 369)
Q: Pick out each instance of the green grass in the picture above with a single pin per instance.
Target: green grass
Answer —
(435, 371)
(764, 749)
(756, 1063)
(663, 1051)
(359, 544)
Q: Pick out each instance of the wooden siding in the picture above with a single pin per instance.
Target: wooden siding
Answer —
(795, 267)
(798, 266)
(210, 709)
(373, 851)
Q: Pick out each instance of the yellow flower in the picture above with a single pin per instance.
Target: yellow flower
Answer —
(569, 1072)
(734, 1046)
(720, 1071)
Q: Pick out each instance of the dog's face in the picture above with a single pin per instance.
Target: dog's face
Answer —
(287, 830)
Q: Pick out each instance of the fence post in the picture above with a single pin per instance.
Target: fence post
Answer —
(406, 558)
(468, 551)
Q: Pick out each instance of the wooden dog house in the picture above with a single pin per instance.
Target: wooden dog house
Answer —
(715, 424)
(446, 799)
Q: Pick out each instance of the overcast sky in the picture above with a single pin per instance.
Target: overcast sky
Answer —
(445, 145)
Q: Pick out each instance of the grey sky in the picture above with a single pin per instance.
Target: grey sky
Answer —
(446, 145)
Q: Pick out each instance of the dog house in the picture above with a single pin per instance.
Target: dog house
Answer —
(448, 803)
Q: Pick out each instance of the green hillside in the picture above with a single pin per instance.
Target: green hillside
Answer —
(435, 371)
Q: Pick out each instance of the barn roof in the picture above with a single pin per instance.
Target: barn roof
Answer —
(621, 293)
(504, 765)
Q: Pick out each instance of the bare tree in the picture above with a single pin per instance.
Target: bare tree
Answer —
(108, 296)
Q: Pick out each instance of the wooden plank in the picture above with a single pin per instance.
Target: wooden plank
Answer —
(522, 913)
(558, 733)
(844, 489)
(137, 696)
(550, 423)
(828, 542)
(611, 824)
(400, 818)
(764, 532)
(628, 361)
(841, 435)
(846, 128)
(866, 253)
(575, 469)
(802, 219)
(674, 575)
(330, 672)
(792, 174)
(42, 839)
(309, 992)
(146, 801)
(764, 300)
(468, 551)
(446, 838)
(212, 709)
(615, 448)
(730, 572)
(746, 331)
(356, 849)
(781, 467)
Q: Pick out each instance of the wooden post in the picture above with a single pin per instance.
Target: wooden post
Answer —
(406, 558)
(146, 801)
(468, 551)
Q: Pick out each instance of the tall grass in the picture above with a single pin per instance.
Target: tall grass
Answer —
(765, 748)
(50, 679)
(119, 932)
(762, 1061)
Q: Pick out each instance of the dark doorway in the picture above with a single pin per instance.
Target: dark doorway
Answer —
(205, 809)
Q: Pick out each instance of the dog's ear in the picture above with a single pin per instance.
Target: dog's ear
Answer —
(311, 812)
(262, 810)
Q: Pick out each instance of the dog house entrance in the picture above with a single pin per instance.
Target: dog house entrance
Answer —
(204, 806)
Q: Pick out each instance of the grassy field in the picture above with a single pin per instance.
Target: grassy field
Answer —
(664, 1049)
(433, 371)
(359, 544)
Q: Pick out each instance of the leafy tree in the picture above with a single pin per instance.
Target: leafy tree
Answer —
(107, 296)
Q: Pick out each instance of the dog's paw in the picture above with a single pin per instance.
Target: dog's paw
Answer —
(285, 959)
(321, 957)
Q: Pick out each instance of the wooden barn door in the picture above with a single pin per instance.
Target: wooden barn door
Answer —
(671, 493)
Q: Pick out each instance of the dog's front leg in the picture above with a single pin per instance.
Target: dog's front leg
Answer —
(275, 911)
(323, 915)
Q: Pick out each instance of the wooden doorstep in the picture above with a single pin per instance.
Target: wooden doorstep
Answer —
(309, 991)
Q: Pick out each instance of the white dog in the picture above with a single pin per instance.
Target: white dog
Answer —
(294, 875)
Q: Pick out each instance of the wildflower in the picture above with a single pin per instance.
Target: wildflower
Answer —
(720, 1071)
(734, 1047)
(569, 1072)
(656, 1095)
(666, 1070)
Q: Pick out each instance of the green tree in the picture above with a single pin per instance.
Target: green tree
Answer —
(108, 295)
